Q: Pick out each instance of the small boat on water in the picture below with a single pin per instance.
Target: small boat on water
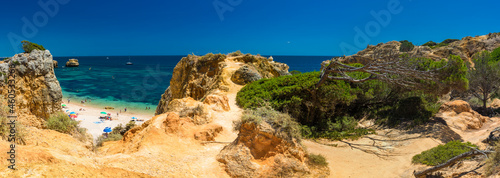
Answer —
(129, 63)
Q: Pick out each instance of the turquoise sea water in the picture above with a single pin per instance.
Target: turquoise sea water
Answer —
(107, 81)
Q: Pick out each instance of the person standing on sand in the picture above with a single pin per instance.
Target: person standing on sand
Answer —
(68, 101)
(125, 109)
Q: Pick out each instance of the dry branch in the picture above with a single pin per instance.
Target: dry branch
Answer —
(450, 162)
(392, 68)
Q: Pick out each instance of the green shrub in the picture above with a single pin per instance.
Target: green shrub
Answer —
(442, 153)
(62, 123)
(295, 72)
(286, 127)
(29, 46)
(430, 43)
(236, 53)
(446, 42)
(495, 55)
(111, 137)
(493, 162)
(317, 160)
(406, 46)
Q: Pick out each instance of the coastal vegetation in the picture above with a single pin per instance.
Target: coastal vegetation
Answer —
(29, 46)
(63, 123)
(317, 160)
(406, 46)
(442, 153)
(116, 133)
(430, 43)
(333, 110)
(287, 125)
(484, 77)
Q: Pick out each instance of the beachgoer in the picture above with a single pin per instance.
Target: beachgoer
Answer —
(125, 109)
(116, 114)
(68, 100)
(85, 100)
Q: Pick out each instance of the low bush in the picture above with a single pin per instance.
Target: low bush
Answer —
(317, 160)
(286, 126)
(495, 55)
(406, 46)
(442, 153)
(236, 53)
(111, 137)
(29, 46)
(295, 72)
(62, 123)
(430, 43)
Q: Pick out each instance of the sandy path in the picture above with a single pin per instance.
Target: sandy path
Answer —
(386, 154)
(90, 116)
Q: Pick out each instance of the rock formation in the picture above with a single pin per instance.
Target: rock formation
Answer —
(56, 65)
(465, 48)
(260, 152)
(458, 114)
(245, 74)
(38, 93)
(72, 63)
(197, 76)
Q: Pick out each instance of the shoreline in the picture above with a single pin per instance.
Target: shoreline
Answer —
(98, 105)
(89, 117)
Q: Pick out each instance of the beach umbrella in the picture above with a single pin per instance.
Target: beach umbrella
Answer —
(107, 129)
(67, 110)
(134, 118)
(104, 113)
(63, 105)
(72, 113)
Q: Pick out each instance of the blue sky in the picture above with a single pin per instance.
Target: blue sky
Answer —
(180, 27)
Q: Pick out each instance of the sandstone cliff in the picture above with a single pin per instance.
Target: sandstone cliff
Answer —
(466, 48)
(198, 76)
(38, 93)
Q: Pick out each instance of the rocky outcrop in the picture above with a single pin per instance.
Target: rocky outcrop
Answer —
(38, 92)
(245, 74)
(72, 63)
(458, 114)
(465, 48)
(260, 152)
(199, 76)
(54, 62)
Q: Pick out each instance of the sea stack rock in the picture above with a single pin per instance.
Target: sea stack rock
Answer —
(38, 93)
(54, 62)
(271, 58)
(72, 63)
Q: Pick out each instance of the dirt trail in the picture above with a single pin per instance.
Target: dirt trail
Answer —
(385, 154)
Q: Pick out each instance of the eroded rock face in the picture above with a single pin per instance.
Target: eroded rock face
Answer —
(258, 152)
(38, 92)
(72, 63)
(199, 76)
(458, 114)
(245, 74)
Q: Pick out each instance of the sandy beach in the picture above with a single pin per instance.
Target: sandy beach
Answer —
(89, 117)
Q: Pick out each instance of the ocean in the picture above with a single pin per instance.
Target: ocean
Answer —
(107, 81)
